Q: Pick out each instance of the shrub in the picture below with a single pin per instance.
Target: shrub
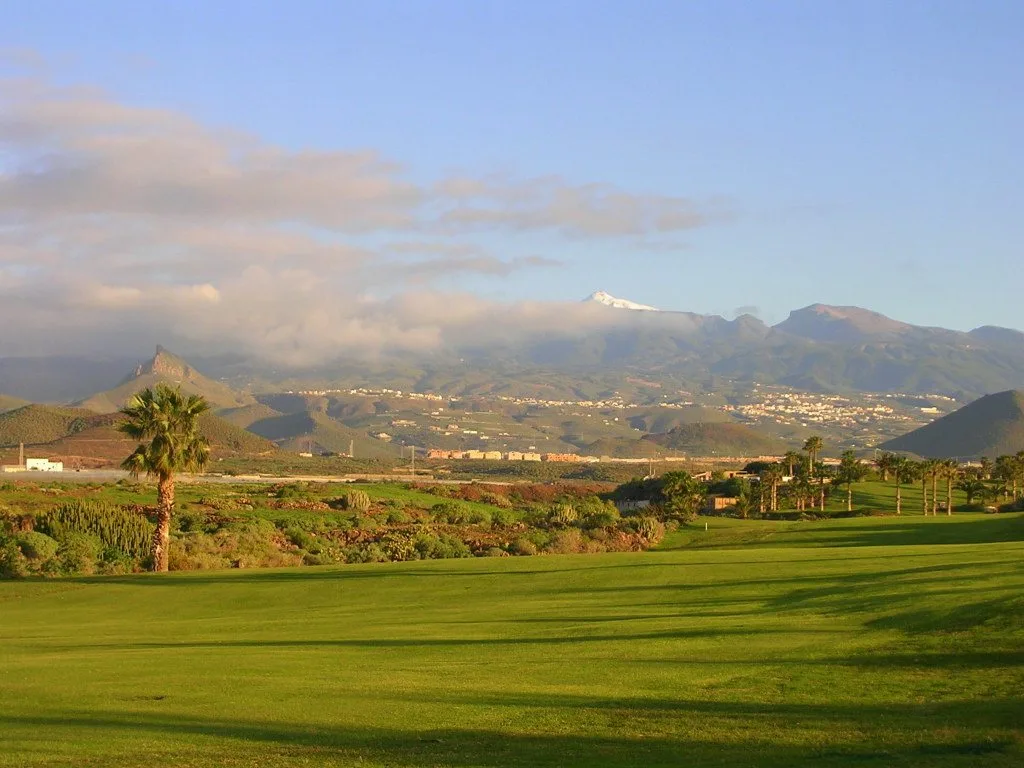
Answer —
(566, 542)
(453, 512)
(397, 517)
(433, 547)
(37, 546)
(13, 564)
(115, 528)
(649, 528)
(503, 517)
(522, 546)
(79, 552)
(495, 552)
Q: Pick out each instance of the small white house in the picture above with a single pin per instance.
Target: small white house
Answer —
(44, 465)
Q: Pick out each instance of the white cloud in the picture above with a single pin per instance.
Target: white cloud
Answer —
(120, 222)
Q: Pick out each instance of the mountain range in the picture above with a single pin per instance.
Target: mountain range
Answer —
(819, 348)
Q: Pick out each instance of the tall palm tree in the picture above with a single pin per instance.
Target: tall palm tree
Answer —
(950, 471)
(884, 463)
(813, 446)
(934, 469)
(850, 471)
(791, 459)
(169, 421)
(923, 470)
(772, 475)
(901, 469)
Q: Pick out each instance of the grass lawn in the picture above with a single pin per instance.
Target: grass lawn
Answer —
(907, 653)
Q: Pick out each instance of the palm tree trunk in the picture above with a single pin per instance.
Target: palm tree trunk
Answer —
(899, 498)
(935, 495)
(924, 495)
(775, 496)
(849, 497)
(949, 495)
(162, 534)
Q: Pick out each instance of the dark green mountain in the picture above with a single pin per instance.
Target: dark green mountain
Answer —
(991, 426)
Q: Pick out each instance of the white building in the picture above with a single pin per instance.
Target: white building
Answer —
(44, 465)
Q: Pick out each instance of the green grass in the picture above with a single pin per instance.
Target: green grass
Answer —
(910, 653)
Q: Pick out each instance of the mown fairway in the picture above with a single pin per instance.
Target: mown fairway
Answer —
(887, 653)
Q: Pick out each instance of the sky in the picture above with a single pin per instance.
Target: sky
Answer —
(310, 177)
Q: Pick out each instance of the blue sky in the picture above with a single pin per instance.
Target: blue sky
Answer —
(862, 153)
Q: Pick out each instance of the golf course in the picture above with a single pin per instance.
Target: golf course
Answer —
(877, 641)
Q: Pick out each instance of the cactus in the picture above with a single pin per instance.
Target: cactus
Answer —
(115, 527)
(358, 501)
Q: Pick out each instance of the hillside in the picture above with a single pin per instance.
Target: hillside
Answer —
(990, 426)
(34, 424)
(83, 438)
(165, 367)
(9, 403)
(317, 432)
(246, 415)
(716, 439)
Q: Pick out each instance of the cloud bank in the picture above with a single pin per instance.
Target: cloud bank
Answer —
(126, 225)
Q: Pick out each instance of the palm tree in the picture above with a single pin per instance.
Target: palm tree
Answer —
(934, 470)
(884, 463)
(791, 459)
(902, 469)
(972, 486)
(813, 446)
(169, 421)
(985, 467)
(923, 468)
(850, 471)
(772, 476)
(951, 471)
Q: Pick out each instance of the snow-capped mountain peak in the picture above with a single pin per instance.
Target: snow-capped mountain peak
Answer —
(610, 301)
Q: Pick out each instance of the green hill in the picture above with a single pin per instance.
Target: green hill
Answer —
(716, 439)
(317, 432)
(8, 403)
(247, 415)
(990, 426)
(34, 424)
(93, 438)
(165, 367)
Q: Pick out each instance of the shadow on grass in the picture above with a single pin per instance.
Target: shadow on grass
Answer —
(907, 739)
(909, 530)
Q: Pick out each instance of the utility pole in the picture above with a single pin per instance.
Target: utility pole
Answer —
(412, 448)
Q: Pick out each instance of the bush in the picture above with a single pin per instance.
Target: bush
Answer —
(452, 512)
(649, 528)
(397, 517)
(432, 547)
(566, 542)
(495, 552)
(79, 552)
(13, 564)
(522, 546)
(37, 546)
(503, 517)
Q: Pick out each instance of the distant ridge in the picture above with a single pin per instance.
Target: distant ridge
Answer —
(165, 367)
(716, 439)
(991, 426)
(76, 433)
